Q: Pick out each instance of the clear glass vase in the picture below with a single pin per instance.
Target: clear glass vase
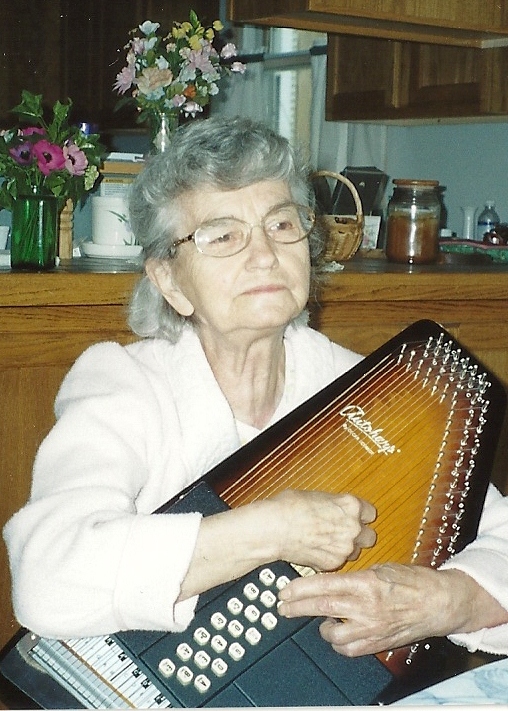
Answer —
(34, 231)
(161, 125)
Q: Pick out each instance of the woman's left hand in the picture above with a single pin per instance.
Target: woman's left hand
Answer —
(384, 607)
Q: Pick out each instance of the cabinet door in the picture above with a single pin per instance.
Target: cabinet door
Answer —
(468, 23)
(376, 79)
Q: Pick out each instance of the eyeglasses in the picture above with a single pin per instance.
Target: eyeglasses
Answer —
(226, 236)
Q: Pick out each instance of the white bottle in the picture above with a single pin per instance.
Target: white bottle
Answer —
(487, 220)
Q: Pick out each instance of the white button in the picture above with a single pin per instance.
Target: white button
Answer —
(218, 621)
(281, 582)
(219, 667)
(184, 651)
(267, 576)
(268, 598)
(218, 643)
(184, 675)
(235, 606)
(235, 628)
(202, 659)
(269, 621)
(201, 636)
(236, 651)
(253, 635)
(166, 667)
(252, 613)
(251, 591)
(202, 683)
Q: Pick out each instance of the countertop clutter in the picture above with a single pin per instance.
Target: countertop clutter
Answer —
(48, 319)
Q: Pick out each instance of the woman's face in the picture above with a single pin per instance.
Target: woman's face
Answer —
(258, 290)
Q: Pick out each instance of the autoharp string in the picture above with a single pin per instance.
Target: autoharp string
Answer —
(322, 438)
(317, 425)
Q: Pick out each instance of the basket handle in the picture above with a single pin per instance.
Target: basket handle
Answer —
(348, 183)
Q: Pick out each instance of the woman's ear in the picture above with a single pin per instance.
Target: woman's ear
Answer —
(161, 275)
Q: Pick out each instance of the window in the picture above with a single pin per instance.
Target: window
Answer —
(287, 75)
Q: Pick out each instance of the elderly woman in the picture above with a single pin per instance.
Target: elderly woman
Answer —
(225, 218)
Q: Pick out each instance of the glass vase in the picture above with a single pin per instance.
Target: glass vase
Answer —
(161, 125)
(34, 231)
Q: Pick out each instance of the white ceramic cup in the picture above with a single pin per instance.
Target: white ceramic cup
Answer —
(4, 233)
(110, 222)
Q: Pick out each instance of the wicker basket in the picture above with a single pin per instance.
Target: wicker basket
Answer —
(344, 234)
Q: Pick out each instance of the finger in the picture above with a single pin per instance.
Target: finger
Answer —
(319, 606)
(312, 586)
(367, 537)
(368, 512)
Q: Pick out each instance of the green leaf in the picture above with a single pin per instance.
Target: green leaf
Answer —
(30, 106)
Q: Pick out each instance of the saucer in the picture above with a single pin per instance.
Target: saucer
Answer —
(111, 251)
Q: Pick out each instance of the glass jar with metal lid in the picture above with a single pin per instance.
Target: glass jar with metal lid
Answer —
(412, 230)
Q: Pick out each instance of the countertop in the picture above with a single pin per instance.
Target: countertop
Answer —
(105, 281)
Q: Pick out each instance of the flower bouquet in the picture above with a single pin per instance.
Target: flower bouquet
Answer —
(174, 74)
(43, 165)
(52, 157)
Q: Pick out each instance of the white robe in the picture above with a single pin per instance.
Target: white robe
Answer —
(135, 425)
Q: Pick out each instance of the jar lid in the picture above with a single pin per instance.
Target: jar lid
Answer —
(409, 183)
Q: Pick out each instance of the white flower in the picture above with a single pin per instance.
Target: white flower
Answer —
(147, 28)
(162, 63)
(228, 51)
(191, 108)
(238, 67)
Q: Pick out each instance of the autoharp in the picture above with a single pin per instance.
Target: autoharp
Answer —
(412, 428)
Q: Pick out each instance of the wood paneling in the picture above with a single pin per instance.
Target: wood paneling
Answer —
(70, 48)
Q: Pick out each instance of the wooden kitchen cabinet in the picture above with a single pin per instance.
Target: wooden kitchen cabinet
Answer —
(379, 79)
(399, 60)
(47, 320)
(468, 23)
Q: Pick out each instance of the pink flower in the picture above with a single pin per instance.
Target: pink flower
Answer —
(198, 60)
(49, 157)
(125, 78)
(152, 79)
(75, 160)
(30, 130)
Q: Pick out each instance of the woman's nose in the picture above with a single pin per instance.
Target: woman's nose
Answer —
(260, 246)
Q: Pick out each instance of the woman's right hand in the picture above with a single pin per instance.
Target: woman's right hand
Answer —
(309, 528)
(321, 530)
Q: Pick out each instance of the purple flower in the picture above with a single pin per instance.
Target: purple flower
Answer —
(75, 160)
(49, 157)
(22, 153)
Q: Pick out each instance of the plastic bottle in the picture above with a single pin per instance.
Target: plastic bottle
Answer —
(488, 219)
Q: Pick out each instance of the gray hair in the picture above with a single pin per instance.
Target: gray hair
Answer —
(221, 153)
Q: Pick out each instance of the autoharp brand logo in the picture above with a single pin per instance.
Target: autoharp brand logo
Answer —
(368, 435)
